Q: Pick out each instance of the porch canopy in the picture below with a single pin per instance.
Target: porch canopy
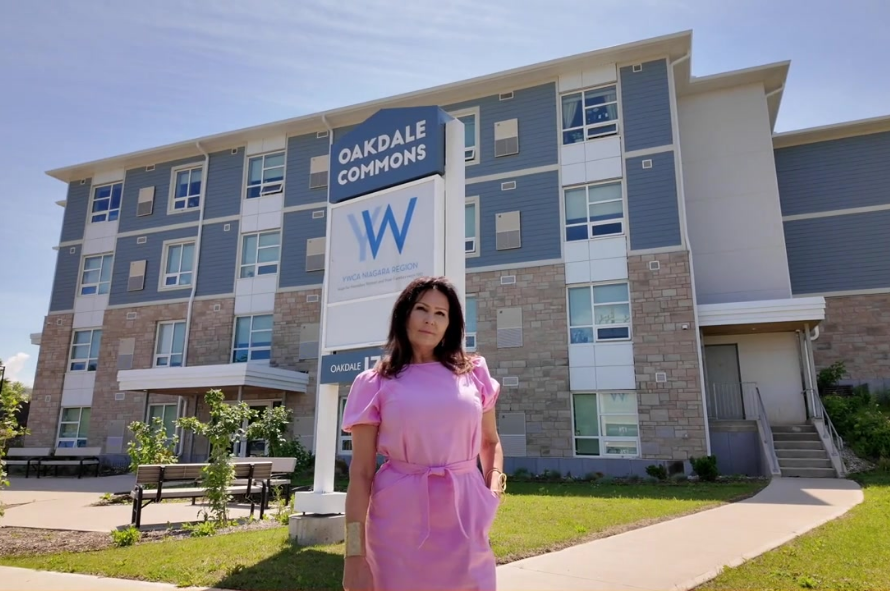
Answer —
(763, 316)
(229, 377)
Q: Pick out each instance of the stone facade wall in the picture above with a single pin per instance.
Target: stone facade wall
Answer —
(672, 416)
(856, 331)
(541, 364)
(292, 311)
(46, 397)
(211, 332)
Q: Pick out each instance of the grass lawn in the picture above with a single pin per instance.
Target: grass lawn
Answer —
(850, 553)
(535, 518)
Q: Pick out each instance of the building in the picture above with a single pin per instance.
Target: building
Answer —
(653, 273)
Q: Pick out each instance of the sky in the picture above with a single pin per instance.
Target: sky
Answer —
(88, 79)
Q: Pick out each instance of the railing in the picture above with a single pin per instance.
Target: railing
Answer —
(766, 433)
(731, 401)
(821, 415)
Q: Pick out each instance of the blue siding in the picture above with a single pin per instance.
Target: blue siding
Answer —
(839, 253)
(839, 174)
(218, 259)
(652, 207)
(646, 106)
(537, 198)
(738, 452)
(127, 251)
(65, 281)
(300, 150)
(298, 227)
(225, 181)
(535, 108)
(159, 178)
(75, 219)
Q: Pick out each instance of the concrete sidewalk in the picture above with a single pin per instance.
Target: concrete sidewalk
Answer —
(17, 579)
(683, 553)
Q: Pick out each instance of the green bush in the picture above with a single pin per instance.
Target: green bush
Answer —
(295, 449)
(830, 376)
(859, 420)
(150, 444)
(705, 468)
(657, 471)
(125, 537)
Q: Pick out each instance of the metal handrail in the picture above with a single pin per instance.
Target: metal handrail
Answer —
(837, 442)
(766, 433)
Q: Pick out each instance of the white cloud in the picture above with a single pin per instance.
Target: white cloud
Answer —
(14, 365)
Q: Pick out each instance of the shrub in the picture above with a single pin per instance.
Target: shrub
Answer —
(202, 529)
(521, 475)
(830, 376)
(271, 426)
(705, 468)
(295, 449)
(125, 537)
(859, 420)
(657, 471)
(150, 444)
(679, 477)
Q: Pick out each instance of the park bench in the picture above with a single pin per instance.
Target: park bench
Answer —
(26, 456)
(249, 478)
(282, 473)
(71, 456)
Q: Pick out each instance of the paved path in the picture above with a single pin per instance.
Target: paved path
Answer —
(683, 553)
(675, 555)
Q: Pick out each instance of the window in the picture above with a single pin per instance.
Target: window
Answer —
(186, 188)
(599, 313)
(265, 175)
(594, 211)
(470, 119)
(85, 350)
(170, 342)
(74, 424)
(471, 226)
(260, 253)
(606, 424)
(168, 413)
(470, 322)
(345, 446)
(106, 203)
(253, 338)
(96, 276)
(589, 114)
(179, 260)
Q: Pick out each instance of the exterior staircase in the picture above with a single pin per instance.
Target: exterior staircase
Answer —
(801, 452)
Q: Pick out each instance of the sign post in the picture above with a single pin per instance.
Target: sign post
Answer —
(396, 200)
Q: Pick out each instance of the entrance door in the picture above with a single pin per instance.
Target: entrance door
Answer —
(724, 379)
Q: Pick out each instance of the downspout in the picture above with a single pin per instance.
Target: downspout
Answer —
(684, 229)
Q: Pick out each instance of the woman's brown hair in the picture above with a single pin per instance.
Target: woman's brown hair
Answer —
(450, 353)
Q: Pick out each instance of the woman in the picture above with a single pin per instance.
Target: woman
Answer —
(422, 520)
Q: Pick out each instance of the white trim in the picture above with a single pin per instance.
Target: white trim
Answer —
(661, 250)
(217, 296)
(312, 287)
(182, 226)
(263, 155)
(306, 207)
(512, 174)
(477, 149)
(511, 266)
(93, 188)
(810, 309)
(257, 375)
(82, 271)
(172, 191)
(835, 131)
(590, 225)
(162, 272)
(835, 212)
(585, 127)
(222, 219)
(649, 151)
(844, 293)
(151, 303)
(477, 240)
(154, 350)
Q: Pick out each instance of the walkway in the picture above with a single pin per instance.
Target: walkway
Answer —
(683, 553)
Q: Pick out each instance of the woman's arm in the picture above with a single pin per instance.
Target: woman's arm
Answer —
(491, 454)
(358, 495)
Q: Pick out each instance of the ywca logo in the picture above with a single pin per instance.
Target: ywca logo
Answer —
(369, 234)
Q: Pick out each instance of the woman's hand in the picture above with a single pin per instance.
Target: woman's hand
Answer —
(357, 574)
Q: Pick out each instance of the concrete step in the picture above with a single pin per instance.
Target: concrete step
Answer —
(809, 473)
(793, 463)
(789, 445)
(793, 428)
(777, 437)
(800, 454)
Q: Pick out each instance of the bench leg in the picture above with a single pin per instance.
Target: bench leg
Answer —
(264, 498)
(27, 468)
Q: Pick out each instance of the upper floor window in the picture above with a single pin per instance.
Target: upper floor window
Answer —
(260, 253)
(96, 276)
(470, 322)
(265, 175)
(253, 338)
(85, 350)
(589, 114)
(179, 260)
(470, 119)
(594, 211)
(471, 226)
(106, 202)
(169, 344)
(599, 313)
(187, 188)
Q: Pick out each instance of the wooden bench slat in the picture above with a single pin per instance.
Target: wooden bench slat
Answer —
(75, 452)
(27, 452)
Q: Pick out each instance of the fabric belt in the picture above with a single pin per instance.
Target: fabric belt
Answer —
(447, 471)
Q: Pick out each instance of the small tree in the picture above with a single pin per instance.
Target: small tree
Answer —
(224, 428)
(10, 403)
(272, 425)
(150, 444)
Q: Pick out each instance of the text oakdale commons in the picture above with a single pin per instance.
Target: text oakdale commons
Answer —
(378, 145)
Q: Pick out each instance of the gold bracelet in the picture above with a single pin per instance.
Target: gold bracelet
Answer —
(487, 474)
(355, 539)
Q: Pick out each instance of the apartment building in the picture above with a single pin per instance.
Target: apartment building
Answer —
(652, 273)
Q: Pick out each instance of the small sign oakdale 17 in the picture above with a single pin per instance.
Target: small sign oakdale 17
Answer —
(395, 212)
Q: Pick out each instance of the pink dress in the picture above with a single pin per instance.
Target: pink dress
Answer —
(430, 511)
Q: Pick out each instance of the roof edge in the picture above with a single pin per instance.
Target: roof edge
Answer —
(834, 131)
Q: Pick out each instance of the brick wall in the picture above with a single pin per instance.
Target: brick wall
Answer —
(291, 312)
(211, 332)
(542, 363)
(672, 422)
(52, 362)
(856, 331)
